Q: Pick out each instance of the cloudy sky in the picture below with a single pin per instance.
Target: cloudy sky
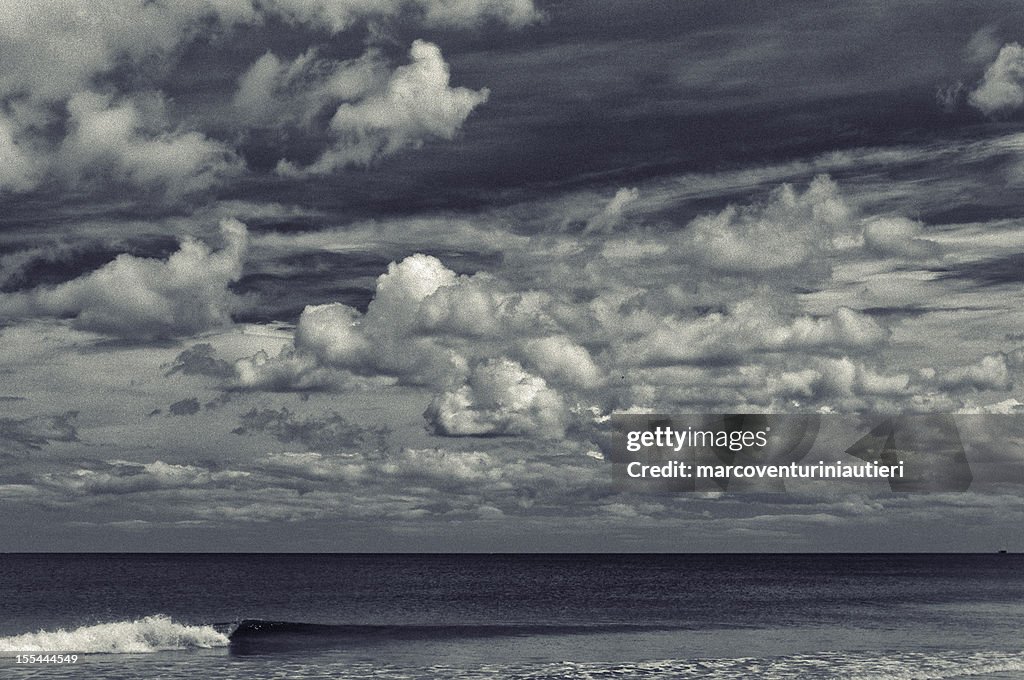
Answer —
(372, 274)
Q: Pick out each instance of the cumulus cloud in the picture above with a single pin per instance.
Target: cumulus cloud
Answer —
(777, 384)
(750, 326)
(687, 341)
(990, 373)
(56, 63)
(786, 232)
(499, 397)
(290, 370)
(121, 477)
(333, 333)
(1002, 88)
(314, 466)
(415, 105)
(425, 325)
(276, 92)
(128, 142)
(56, 57)
(844, 377)
(471, 337)
(392, 337)
(299, 485)
(49, 55)
(439, 479)
(560, 359)
(140, 298)
(899, 237)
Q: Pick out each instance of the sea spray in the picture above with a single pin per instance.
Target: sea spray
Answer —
(141, 636)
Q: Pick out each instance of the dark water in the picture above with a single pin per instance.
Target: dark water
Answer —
(527, 616)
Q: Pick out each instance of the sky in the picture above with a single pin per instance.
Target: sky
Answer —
(373, 275)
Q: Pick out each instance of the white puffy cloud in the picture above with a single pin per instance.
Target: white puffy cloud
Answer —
(394, 322)
(289, 370)
(416, 329)
(1002, 88)
(416, 104)
(648, 329)
(499, 397)
(561, 360)
(118, 142)
(276, 92)
(1005, 407)
(56, 57)
(121, 477)
(426, 324)
(784, 233)
(52, 50)
(749, 326)
(458, 334)
(899, 237)
(844, 377)
(989, 373)
(56, 53)
(141, 298)
(394, 336)
(333, 334)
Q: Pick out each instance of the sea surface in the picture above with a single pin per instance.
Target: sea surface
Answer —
(513, 616)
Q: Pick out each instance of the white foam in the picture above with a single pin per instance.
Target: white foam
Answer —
(822, 665)
(142, 636)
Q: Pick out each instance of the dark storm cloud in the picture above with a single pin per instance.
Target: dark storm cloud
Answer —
(185, 407)
(329, 432)
(22, 434)
(200, 360)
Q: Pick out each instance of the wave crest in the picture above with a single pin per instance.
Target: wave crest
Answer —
(141, 636)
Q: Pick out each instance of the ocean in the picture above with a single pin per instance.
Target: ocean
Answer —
(549, 617)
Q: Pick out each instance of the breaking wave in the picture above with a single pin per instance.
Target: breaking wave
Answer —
(142, 636)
